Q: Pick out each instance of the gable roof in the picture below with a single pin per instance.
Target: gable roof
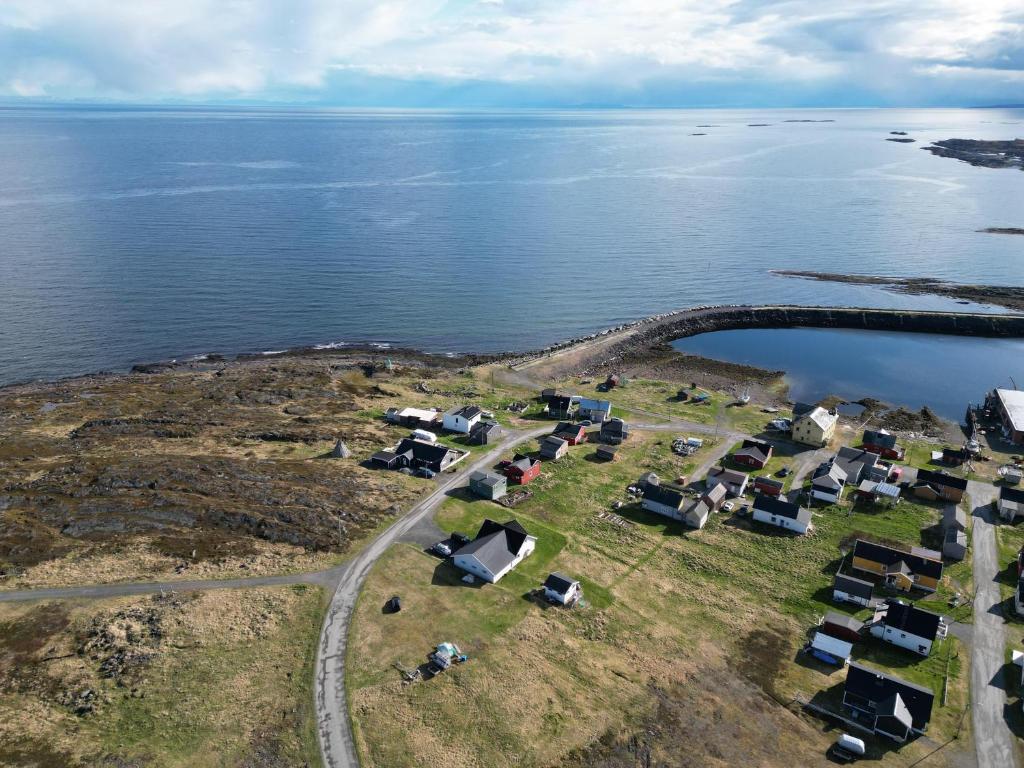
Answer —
(489, 479)
(843, 620)
(559, 582)
(716, 493)
(523, 463)
(878, 687)
(824, 419)
(954, 516)
(888, 556)
(927, 477)
(780, 508)
(881, 438)
(754, 452)
(1011, 494)
(496, 544)
(466, 411)
(552, 442)
(854, 586)
(724, 475)
(588, 404)
(912, 620)
(801, 409)
(560, 403)
(829, 476)
(565, 428)
(423, 451)
(663, 495)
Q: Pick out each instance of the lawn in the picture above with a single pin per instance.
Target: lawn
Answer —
(730, 604)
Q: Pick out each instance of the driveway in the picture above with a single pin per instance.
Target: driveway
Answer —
(992, 737)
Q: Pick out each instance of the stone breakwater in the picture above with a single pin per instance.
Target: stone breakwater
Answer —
(660, 329)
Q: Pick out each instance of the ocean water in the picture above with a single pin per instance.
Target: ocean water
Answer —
(945, 373)
(131, 235)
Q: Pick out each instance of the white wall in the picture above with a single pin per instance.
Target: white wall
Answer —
(779, 522)
(906, 640)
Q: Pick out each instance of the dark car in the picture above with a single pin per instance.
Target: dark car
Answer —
(784, 472)
(459, 540)
(424, 472)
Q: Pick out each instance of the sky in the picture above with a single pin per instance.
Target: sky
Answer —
(423, 53)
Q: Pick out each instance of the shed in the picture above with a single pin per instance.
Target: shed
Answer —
(613, 431)
(488, 485)
(848, 589)
(553, 448)
(954, 544)
(831, 647)
(522, 469)
(769, 486)
(953, 516)
(842, 626)
(573, 434)
(606, 452)
(753, 453)
(559, 588)
(485, 433)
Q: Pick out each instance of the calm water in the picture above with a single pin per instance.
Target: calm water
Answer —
(944, 372)
(134, 235)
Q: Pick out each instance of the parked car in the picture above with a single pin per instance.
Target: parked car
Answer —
(784, 472)
(728, 506)
(441, 548)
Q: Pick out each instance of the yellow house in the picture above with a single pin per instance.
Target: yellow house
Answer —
(919, 568)
(813, 425)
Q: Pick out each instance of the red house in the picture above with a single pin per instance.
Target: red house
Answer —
(573, 434)
(882, 443)
(769, 486)
(753, 453)
(522, 470)
(842, 626)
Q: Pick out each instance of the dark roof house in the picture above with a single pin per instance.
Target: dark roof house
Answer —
(896, 706)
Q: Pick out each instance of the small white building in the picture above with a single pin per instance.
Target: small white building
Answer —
(828, 483)
(559, 588)
(735, 482)
(847, 589)
(782, 514)
(462, 419)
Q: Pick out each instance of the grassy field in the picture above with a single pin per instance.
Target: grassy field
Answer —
(724, 609)
(210, 679)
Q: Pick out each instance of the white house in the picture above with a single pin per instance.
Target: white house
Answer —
(782, 514)
(663, 501)
(496, 550)
(907, 626)
(828, 483)
(462, 419)
(595, 410)
(735, 482)
(697, 514)
(559, 588)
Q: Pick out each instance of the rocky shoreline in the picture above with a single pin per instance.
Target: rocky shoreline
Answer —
(980, 153)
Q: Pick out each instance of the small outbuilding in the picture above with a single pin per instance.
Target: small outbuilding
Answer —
(842, 626)
(553, 448)
(522, 469)
(488, 485)
(849, 589)
(559, 588)
(573, 434)
(613, 431)
(485, 433)
(954, 544)
(606, 452)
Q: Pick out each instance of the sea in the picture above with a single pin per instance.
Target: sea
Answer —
(131, 235)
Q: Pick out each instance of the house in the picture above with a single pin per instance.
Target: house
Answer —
(768, 486)
(831, 649)
(413, 417)
(1018, 597)
(386, 460)
(496, 550)
(783, 514)
(938, 486)
(613, 431)
(595, 410)
(813, 425)
(522, 470)
(879, 493)
(858, 465)
(559, 588)
(888, 705)
(842, 626)
(882, 443)
(848, 589)
(921, 568)
(954, 544)
(714, 497)
(420, 454)
(828, 483)
(663, 500)
(753, 453)
(696, 514)
(1009, 405)
(462, 419)
(573, 434)
(553, 448)
(488, 485)
(562, 407)
(735, 482)
(906, 626)
(954, 457)
(1011, 503)
(606, 452)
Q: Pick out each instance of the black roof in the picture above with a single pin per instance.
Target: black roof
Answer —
(771, 482)
(880, 553)
(941, 478)
(799, 409)
(909, 618)
(881, 439)
(387, 456)
(613, 425)
(662, 495)
(779, 507)
(1012, 494)
(559, 582)
(468, 411)
(853, 586)
(760, 444)
(496, 544)
(560, 402)
(566, 428)
(877, 687)
(423, 451)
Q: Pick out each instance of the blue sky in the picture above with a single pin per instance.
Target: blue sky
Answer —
(652, 53)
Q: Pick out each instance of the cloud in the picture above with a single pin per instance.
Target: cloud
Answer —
(513, 51)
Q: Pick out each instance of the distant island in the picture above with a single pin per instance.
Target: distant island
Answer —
(901, 140)
(1003, 230)
(984, 154)
(1007, 296)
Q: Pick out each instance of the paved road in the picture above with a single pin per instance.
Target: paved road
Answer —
(992, 737)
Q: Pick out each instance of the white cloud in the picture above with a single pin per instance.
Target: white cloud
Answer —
(296, 48)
